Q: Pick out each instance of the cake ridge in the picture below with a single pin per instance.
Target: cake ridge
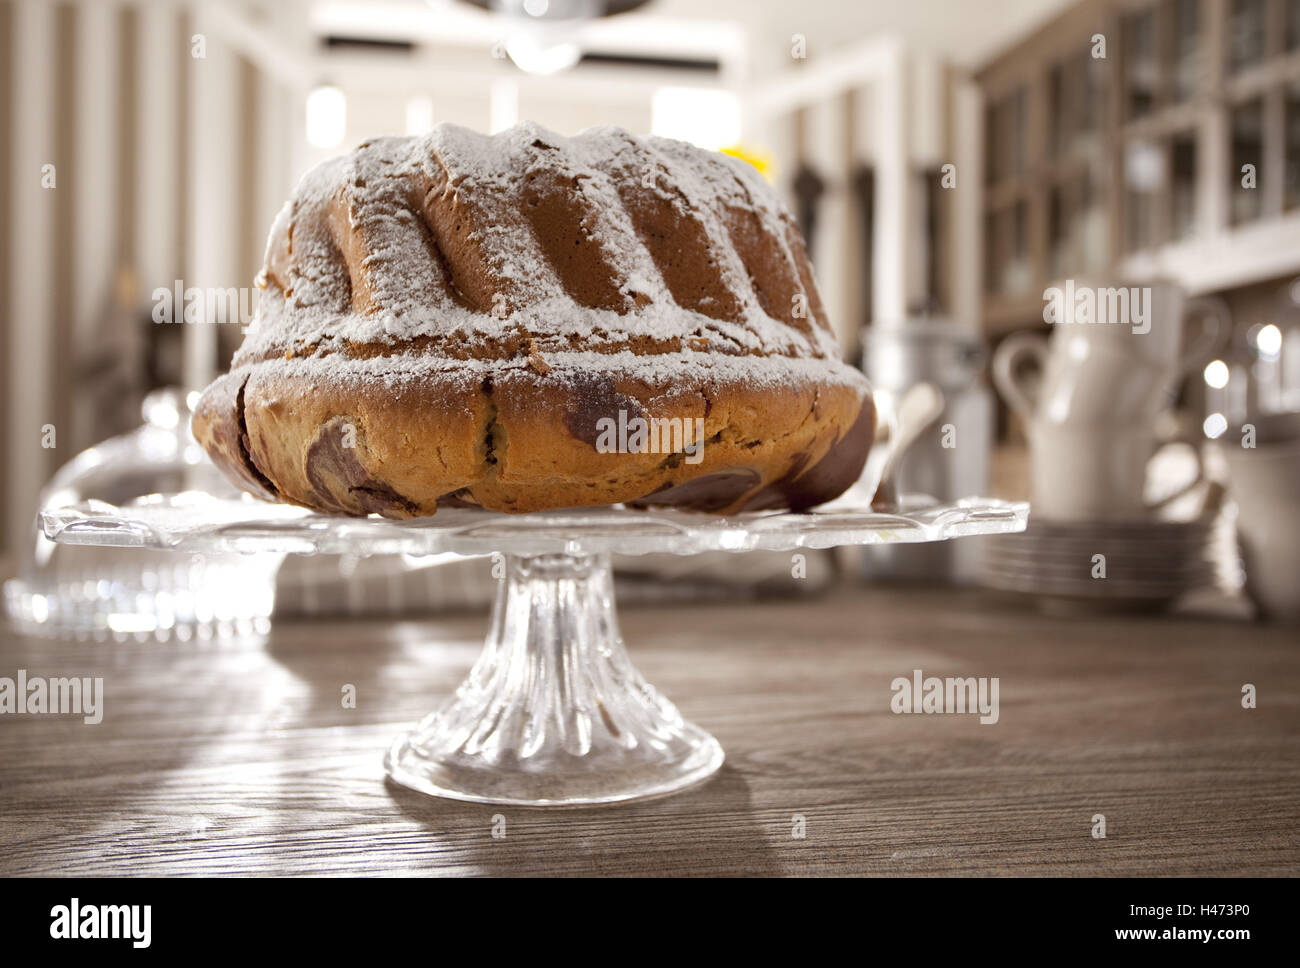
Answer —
(387, 274)
(646, 187)
(447, 318)
(389, 251)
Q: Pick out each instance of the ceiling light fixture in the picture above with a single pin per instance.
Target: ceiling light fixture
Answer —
(541, 35)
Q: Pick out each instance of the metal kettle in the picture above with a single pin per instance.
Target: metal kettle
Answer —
(949, 461)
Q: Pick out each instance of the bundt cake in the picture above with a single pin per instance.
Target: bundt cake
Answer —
(526, 321)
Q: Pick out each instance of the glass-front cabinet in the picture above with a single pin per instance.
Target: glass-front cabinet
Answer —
(1126, 129)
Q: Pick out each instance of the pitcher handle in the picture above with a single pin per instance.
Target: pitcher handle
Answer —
(1011, 352)
(1216, 324)
(1197, 478)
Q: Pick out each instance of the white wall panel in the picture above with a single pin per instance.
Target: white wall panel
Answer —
(31, 305)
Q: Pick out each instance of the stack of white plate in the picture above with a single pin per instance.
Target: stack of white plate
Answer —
(1105, 564)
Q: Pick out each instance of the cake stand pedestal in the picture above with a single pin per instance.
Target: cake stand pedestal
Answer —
(553, 712)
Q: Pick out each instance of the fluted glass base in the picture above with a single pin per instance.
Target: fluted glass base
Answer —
(553, 712)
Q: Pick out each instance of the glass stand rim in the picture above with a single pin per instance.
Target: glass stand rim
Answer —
(553, 712)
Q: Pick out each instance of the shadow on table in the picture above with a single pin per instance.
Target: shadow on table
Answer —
(646, 838)
(388, 666)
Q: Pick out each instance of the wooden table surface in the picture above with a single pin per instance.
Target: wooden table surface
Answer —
(238, 757)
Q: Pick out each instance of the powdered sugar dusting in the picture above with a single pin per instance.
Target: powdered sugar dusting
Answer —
(354, 261)
(665, 370)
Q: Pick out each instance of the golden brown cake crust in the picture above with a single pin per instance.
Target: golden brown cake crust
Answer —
(458, 319)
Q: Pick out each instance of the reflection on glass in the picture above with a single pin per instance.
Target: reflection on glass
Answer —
(1141, 71)
(1076, 227)
(1144, 179)
(1059, 224)
(1007, 265)
(1015, 136)
(1291, 190)
(991, 258)
(991, 172)
(1073, 85)
(1058, 98)
(1182, 195)
(1007, 134)
(1247, 149)
(1016, 274)
(1246, 19)
(1185, 48)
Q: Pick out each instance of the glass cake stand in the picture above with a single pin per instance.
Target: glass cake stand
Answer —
(553, 712)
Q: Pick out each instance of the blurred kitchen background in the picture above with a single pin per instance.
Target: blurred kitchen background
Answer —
(948, 160)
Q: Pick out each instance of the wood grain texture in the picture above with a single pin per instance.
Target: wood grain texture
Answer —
(238, 758)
